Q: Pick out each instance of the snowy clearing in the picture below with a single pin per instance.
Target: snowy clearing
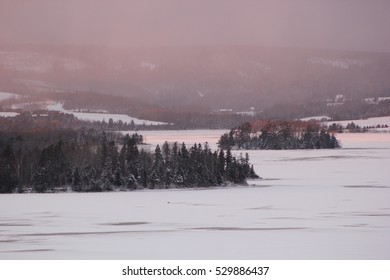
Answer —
(85, 116)
(364, 122)
(7, 95)
(316, 204)
(101, 116)
(8, 114)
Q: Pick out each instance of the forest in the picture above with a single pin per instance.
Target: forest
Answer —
(87, 160)
(279, 135)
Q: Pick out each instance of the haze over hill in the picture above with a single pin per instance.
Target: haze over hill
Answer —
(198, 55)
(206, 77)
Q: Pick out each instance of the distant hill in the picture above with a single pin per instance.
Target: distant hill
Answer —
(204, 78)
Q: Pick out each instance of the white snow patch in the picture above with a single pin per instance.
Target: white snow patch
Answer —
(376, 100)
(101, 116)
(342, 64)
(8, 114)
(316, 118)
(364, 122)
(7, 95)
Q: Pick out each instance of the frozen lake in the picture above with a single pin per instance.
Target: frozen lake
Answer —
(317, 204)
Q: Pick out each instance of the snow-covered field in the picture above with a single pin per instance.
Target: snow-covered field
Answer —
(318, 204)
(100, 116)
(7, 95)
(8, 114)
(364, 122)
(85, 116)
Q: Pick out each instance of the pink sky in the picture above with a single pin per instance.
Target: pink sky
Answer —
(340, 24)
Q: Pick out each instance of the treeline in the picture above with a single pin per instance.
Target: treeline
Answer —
(350, 109)
(278, 135)
(355, 128)
(195, 118)
(91, 161)
(42, 119)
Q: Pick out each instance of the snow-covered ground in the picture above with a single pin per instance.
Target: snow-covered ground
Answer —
(315, 204)
(7, 95)
(316, 118)
(8, 114)
(364, 122)
(100, 116)
(85, 116)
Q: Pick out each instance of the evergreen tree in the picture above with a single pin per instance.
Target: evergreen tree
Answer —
(118, 178)
(278, 135)
(42, 181)
(76, 180)
(166, 151)
(157, 174)
(8, 179)
(53, 169)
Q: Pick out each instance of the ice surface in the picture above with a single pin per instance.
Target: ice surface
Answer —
(311, 204)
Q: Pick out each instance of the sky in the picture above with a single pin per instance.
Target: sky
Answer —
(334, 24)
